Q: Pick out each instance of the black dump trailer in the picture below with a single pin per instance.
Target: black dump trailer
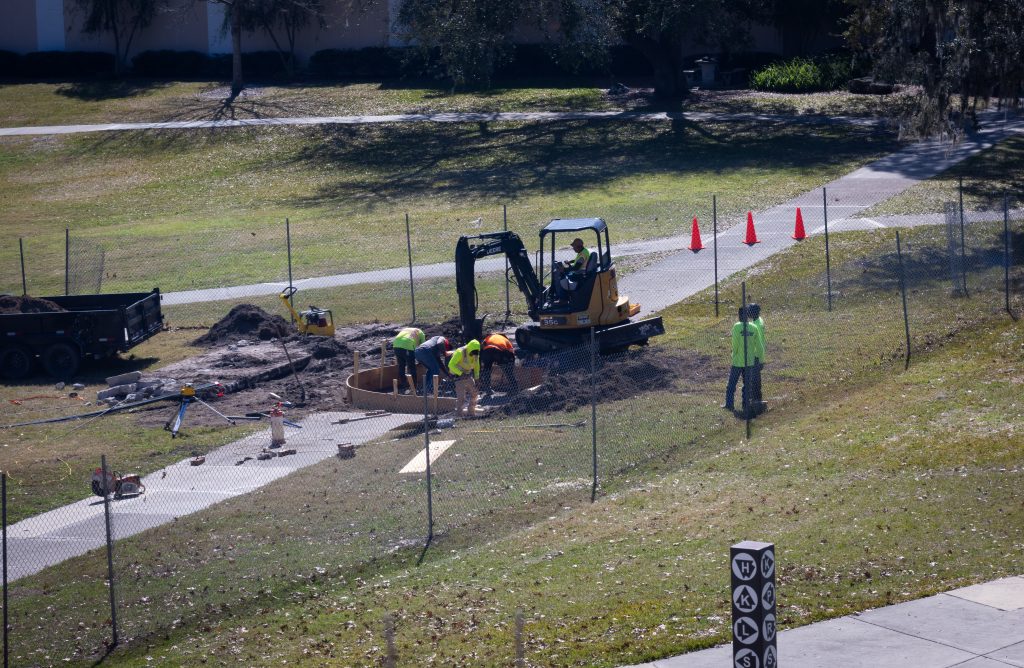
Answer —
(89, 327)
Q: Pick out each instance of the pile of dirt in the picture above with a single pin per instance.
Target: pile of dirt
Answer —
(11, 304)
(247, 322)
(621, 376)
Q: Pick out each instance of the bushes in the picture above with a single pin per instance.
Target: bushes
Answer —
(802, 75)
(166, 64)
(375, 62)
(58, 64)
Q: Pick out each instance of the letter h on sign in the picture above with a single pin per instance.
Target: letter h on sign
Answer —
(753, 605)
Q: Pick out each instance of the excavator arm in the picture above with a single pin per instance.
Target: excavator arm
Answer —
(472, 248)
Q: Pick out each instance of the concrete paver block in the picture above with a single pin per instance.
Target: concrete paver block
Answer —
(1005, 594)
(945, 619)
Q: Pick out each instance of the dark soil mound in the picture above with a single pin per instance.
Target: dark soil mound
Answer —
(620, 376)
(245, 321)
(26, 304)
(450, 329)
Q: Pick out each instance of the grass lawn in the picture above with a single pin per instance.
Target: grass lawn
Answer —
(853, 474)
(183, 210)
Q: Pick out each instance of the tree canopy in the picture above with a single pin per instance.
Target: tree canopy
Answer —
(470, 38)
(958, 51)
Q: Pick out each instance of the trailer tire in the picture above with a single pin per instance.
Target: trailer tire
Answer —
(61, 360)
(15, 362)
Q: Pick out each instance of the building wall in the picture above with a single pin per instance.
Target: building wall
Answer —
(194, 25)
(18, 25)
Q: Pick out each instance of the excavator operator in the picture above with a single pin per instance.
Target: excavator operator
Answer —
(567, 274)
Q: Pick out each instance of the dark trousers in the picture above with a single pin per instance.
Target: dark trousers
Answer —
(730, 388)
(507, 361)
(755, 382)
(406, 365)
(432, 365)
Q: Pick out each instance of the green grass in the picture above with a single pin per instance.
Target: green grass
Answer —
(877, 486)
(987, 177)
(219, 199)
(154, 101)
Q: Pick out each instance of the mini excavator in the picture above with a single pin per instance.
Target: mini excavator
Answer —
(593, 302)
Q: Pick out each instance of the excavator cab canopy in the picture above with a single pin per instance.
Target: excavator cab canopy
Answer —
(593, 232)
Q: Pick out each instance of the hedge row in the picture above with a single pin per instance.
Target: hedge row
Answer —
(367, 63)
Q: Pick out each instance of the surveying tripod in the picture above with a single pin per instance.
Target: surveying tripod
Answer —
(188, 396)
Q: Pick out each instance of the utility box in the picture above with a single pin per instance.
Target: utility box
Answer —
(708, 70)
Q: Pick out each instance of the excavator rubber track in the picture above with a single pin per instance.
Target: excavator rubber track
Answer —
(609, 339)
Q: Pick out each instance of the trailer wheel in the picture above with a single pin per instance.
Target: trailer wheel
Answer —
(61, 360)
(15, 363)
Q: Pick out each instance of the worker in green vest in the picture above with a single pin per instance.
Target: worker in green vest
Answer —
(746, 347)
(405, 353)
(464, 366)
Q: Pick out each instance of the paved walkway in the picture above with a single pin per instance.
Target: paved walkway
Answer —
(981, 626)
(182, 489)
(443, 117)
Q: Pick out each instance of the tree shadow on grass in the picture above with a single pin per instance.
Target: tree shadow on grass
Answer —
(98, 90)
(488, 160)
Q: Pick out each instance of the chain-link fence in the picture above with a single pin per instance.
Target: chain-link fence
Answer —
(229, 520)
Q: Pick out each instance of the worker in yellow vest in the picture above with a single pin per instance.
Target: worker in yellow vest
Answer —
(405, 353)
(464, 366)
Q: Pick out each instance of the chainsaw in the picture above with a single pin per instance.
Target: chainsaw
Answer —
(119, 485)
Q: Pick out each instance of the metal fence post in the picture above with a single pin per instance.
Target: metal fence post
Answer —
(593, 412)
(963, 248)
(828, 257)
(746, 359)
(508, 302)
(714, 221)
(903, 292)
(412, 288)
(520, 648)
(3, 493)
(288, 239)
(1006, 254)
(21, 251)
(110, 549)
(426, 450)
(67, 260)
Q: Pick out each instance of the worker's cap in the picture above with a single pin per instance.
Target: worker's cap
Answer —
(754, 309)
(577, 242)
(447, 344)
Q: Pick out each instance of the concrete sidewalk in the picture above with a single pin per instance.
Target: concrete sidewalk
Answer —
(981, 626)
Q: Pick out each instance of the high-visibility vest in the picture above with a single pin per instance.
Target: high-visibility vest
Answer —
(499, 342)
(579, 263)
(754, 349)
(759, 323)
(408, 338)
(462, 362)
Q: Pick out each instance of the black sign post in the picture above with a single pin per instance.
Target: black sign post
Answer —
(753, 605)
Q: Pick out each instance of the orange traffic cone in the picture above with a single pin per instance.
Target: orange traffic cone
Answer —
(751, 234)
(798, 231)
(695, 243)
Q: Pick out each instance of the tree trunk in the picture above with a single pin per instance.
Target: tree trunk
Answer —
(666, 61)
(236, 49)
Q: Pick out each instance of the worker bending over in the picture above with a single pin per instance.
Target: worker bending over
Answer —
(497, 349)
(432, 354)
(405, 348)
(464, 366)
